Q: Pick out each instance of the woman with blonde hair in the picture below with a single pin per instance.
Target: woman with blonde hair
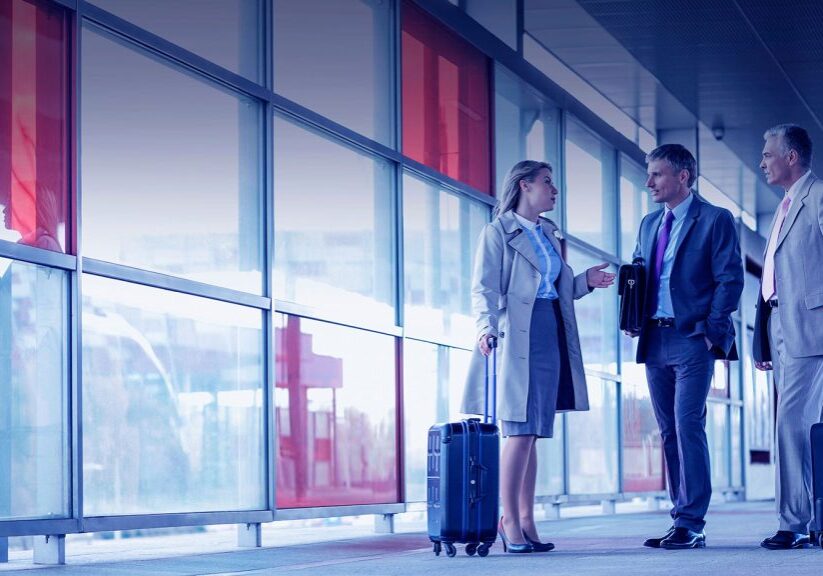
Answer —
(522, 295)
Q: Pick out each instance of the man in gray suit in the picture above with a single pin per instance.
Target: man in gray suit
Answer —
(695, 278)
(788, 332)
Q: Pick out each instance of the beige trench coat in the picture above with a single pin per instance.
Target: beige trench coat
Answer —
(504, 286)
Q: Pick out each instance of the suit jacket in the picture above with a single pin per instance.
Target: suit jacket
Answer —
(504, 286)
(707, 275)
(798, 267)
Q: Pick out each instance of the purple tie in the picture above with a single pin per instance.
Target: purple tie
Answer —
(659, 252)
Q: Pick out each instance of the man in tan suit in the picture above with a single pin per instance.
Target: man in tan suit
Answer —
(788, 334)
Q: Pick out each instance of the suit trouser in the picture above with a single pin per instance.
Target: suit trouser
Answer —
(799, 383)
(679, 371)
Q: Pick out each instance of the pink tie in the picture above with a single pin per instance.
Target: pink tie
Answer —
(768, 288)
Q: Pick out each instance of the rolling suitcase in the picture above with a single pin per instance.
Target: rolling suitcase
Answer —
(817, 481)
(463, 478)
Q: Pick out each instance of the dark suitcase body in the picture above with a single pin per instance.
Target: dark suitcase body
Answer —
(817, 480)
(463, 480)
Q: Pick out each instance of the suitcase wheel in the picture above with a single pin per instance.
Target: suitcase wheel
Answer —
(483, 550)
(437, 548)
(471, 548)
(451, 551)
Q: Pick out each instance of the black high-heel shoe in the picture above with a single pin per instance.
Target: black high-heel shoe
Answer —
(509, 547)
(539, 546)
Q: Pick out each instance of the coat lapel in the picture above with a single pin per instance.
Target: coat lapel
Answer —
(518, 240)
(794, 209)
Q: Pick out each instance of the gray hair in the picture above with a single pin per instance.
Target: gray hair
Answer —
(510, 196)
(678, 157)
(792, 137)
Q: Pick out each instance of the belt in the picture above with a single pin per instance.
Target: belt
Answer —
(772, 303)
(662, 322)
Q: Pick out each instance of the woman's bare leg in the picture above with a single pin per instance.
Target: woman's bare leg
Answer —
(516, 455)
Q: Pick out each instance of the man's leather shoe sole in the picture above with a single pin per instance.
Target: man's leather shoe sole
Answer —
(768, 544)
(655, 542)
(683, 539)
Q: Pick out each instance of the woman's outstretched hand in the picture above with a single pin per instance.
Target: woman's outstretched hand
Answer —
(596, 278)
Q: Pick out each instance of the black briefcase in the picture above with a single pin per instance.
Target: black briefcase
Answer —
(631, 286)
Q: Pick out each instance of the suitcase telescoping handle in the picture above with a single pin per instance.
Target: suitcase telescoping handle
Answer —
(493, 358)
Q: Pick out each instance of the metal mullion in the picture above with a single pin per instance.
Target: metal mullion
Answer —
(586, 247)
(449, 345)
(618, 167)
(75, 332)
(271, 440)
(446, 182)
(109, 23)
(307, 117)
(335, 511)
(355, 322)
(561, 159)
(140, 521)
(69, 4)
(32, 527)
(39, 256)
(173, 283)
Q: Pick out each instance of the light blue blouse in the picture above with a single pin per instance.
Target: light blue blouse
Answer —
(547, 257)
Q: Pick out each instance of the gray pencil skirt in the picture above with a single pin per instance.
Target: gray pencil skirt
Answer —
(544, 373)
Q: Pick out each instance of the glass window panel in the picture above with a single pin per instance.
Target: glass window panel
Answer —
(172, 402)
(759, 403)
(497, 16)
(336, 415)
(629, 369)
(737, 447)
(336, 58)
(527, 126)
(735, 368)
(332, 241)
(33, 134)
(33, 387)
(191, 24)
(717, 431)
(433, 380)
(445, 101)
(550, 473)
(590, 178)
(716, 196)
(720, 379)
(596, 317)
(642, 450)
(440, 232)
(170, 169)
(593, 441)
(635, 203)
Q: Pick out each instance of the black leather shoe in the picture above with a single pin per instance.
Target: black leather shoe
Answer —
(510, 547)
(814, 538)
(538, 546)
(683, 538)
(655, 542)
(786, 540)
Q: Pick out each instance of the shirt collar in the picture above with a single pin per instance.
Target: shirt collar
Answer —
(527, 224)
(681, 209)
(795, 188)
